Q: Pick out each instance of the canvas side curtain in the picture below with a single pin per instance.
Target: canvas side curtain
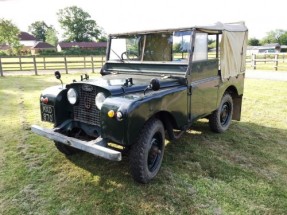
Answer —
(233, 53)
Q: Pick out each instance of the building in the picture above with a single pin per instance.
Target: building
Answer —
(267, 48)
(30, 45)
(42, 46)
(27, 40)
(81, 45)
(4, 47)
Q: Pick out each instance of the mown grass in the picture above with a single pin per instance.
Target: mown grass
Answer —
(243, 171)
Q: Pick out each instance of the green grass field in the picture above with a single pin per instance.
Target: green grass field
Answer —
(243, 171)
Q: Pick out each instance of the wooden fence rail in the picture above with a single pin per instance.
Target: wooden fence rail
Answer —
(275, 60)
(36, 64)
(24, 63)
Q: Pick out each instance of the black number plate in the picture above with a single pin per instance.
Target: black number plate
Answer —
(48, 113)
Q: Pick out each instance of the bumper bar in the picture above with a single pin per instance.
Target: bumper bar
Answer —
(95, 147)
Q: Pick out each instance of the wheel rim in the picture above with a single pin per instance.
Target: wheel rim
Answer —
(225, 113)
(155, 151)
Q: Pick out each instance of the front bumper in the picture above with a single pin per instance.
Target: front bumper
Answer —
(95, 147)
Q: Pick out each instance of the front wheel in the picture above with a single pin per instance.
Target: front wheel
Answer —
(219, 120)
(147, 153)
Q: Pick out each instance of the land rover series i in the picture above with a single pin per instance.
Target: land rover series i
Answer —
(153, 86)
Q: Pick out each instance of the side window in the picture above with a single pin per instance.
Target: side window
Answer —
(211, 46)
(200, 47)
(181, 46)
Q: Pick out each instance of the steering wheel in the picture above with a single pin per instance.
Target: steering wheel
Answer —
(129, 55)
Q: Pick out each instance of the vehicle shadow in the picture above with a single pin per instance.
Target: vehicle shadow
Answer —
(240, 151)
(198, 160)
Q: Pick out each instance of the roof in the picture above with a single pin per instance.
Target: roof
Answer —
(4, 47)
(215, 28)
(83, 44)
(43, 45)
(26, 36)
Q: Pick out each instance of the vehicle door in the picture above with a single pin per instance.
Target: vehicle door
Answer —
(204, 79)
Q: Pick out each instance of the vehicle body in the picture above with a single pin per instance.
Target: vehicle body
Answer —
(153, 83)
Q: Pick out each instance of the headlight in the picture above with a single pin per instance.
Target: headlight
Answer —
(100, 98)
(72, 96)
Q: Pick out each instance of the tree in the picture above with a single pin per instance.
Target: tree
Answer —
(253, 42)
(39, 30)
(51, 36)
(9, 35)
(102, 37)
(78, 25)
(283, 39)
(274, 37)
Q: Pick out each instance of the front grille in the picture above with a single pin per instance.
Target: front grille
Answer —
(86, 110)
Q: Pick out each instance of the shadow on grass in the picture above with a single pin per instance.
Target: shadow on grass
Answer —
(202, 171)
(245, 150)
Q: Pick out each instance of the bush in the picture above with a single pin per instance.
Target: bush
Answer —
(3, 53)
(74, 51)
(50, 52)
(78, 51)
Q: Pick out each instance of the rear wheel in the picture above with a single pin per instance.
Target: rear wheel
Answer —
(67, 150)
(147, 153)
(219, 120)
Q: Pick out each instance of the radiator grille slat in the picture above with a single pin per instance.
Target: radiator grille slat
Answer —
(86, 110)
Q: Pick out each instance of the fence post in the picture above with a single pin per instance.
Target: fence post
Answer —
(102, 60)
(276, 62)
(85, 62)
(283, 58)
(1, 70)
(93, 68)
(20, 62)
(66, 66)
(265, 58)
(44, 62)
(35, 65)
(254, 61)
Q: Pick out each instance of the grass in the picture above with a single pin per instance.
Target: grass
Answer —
(243, 171)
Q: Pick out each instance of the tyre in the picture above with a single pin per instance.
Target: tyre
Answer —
(67, 150)
(219, 120)
(147, 153)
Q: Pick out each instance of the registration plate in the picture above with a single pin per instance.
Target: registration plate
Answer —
(47, 112)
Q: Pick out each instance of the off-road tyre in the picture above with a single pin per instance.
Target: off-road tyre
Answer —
(147, 153)
(219, 120)
(66, 150)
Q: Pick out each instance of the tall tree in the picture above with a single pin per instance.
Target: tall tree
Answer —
(9, 35)
(102, 37)
(39, 30)
(274, 36)
(51, 36)
(77, 24)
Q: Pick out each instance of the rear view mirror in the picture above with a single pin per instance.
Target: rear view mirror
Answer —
(58, 75)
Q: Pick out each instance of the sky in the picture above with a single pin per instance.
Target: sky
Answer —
(116, 16)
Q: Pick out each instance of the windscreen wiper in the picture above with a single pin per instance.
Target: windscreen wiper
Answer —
(122, 60)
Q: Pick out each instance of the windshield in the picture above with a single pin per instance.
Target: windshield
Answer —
(160, 47)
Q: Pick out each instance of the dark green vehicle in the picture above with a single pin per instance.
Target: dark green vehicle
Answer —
(154, 85)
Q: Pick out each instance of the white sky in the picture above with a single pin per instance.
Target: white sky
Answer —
(260, 16)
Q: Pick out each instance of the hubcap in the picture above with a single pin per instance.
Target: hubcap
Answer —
(225, 113)
(155, 151)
